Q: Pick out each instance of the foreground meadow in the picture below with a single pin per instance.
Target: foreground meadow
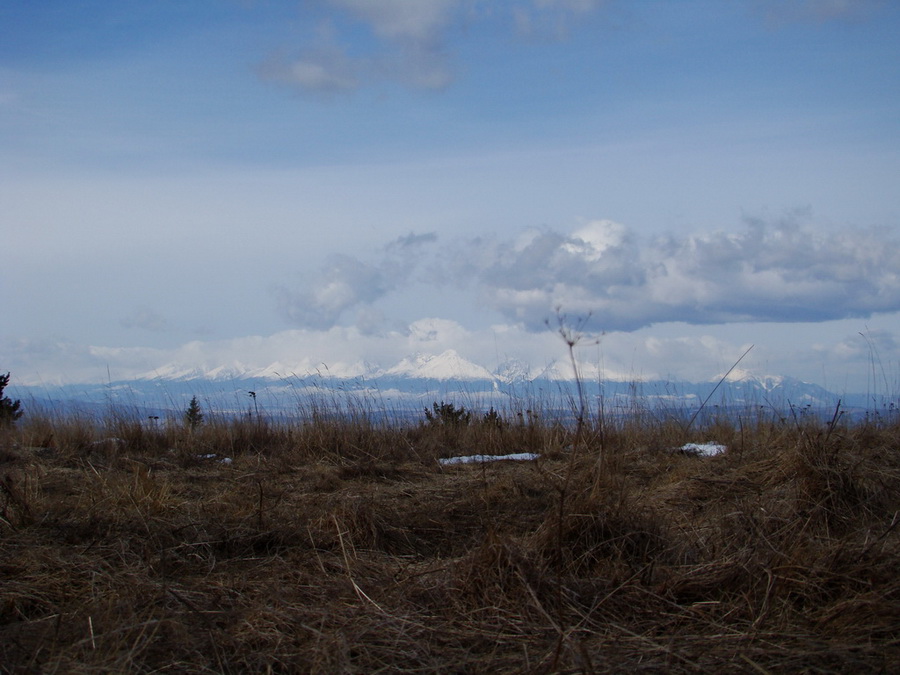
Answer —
(344, 546)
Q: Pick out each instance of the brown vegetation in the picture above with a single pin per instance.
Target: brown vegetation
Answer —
(343, 546)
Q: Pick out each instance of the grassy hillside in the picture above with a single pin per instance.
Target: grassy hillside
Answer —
(342, 545)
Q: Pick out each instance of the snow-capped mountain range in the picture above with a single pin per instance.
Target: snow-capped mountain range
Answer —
(422, 378)
(447, 366)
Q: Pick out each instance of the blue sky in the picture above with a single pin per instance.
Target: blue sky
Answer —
(337, 181)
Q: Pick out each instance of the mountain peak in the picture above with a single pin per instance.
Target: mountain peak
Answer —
(448, 365)
(513, 370)
(767, 382)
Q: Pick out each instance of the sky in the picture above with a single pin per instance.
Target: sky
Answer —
(332, 184)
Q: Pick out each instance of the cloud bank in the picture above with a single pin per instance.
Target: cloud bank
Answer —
(784, 271)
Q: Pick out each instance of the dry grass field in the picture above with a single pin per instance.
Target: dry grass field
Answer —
(343, 546)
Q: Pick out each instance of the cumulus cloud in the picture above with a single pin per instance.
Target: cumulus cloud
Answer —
(781, 272)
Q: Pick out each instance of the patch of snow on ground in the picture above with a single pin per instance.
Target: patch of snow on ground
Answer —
(702, 449)
(476, 459)
(214, 456)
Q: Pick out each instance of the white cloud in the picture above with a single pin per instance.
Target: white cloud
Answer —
(781, 272)
(411, 40)
(322, 70)
(593, 239)
(408, 47)
(342, 284)
(345, 283)
(330, 69)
